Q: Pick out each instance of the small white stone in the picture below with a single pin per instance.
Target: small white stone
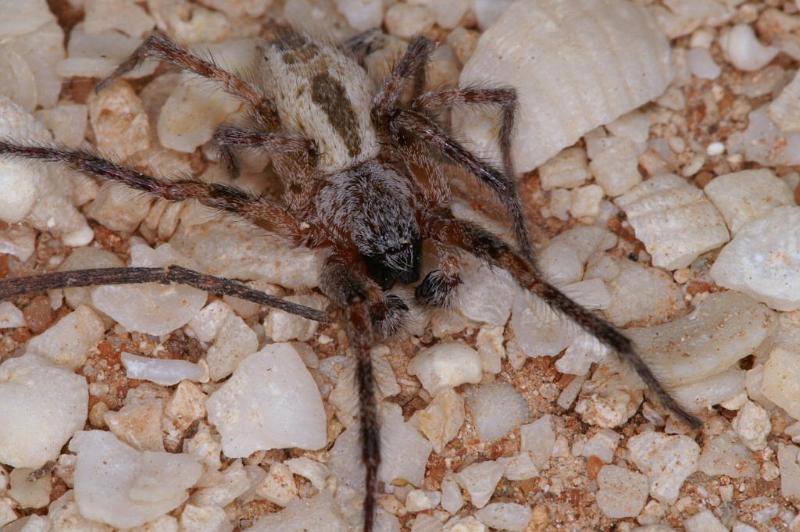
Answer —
(497, 409)
(122, 487)
(406, 21)
(10, 316)
(64, 516)
(29, 492)
(441, 420)
(702, 65)
(19, 184)
(748, 195)
(446, 365)
(673, 219)
(186, 405)
(714, 149)
(166, 372)
(319, 512)
(452, 500)
(784, 110)
(539, 439)
(19, 241)
(447, 13)
(602, 445)
(67, 121)
(309, 469)
(362, 15)
(225, 486)
(270, 402)
(486, 293)
(281, 326)
(505, 516)
(104, 15)
(67, 343)
(420, 500)
(568, 169)
(763, 260)
(779, 384)
(204, 519)
(752, 425)
(743, 50)
(519, 466)
(119, 121)
(704, 521)
(278, 487)
(622, 493)
(490, 348)
(43, 406)
(234, 341)
(616, 168)
(789, 464)
(586, 201)
(480, 480)
(666, 460)
(138, 423)
(725, 454)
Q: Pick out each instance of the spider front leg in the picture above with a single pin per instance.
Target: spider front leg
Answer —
(301, 151)
(411, 65)
(484, 245)
(438, 287)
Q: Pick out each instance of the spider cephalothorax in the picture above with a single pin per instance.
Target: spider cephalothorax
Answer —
(349, 156)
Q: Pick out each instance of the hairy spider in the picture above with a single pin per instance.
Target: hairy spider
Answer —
(361, 178)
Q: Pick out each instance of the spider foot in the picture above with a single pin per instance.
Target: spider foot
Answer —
(437, 289)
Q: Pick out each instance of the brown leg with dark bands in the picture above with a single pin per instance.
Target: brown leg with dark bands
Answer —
(486, 246)
(302, 150)
(409, 66)
(169, 274)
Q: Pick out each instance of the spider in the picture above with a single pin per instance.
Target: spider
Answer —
(361, 174)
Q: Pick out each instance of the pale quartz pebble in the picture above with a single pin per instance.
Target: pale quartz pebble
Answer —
(621, 492)
(233, 341)
(186, 405)
(586, 240)
(505, 516)
(64, 516)
(166, 372)
(43, 406)
(752, 424)
(666, 460)
(743, 50)
(344, 397)
(763, 260)
(559, 263)
(18, 240)
(789, 464)
(592, 293)
(571, 74)
(151, 308)
(18, 81)
(497, 408)
(31, 523)
(480, 480)
(406, 20)
(568, 169)
(463, 43)
(538, 329)
(634, 126)
(104, 15)
(538, 439)
(490, 348)
(560, 200)
(570, 392)
(785, 110)
(488, 11)
(745, 196)
(270, 402)
(724, 328)
(713, 390)
(586, 201)
(638, 293)
(67, 122)
(318, 18)
(704, 521)
(779, 384)
(616, 168)
(446, 14)
(441, 420)
(486, 293)
(319, 512)
(763, 142)
(227, 486)
(204, 518)
(419, 500)
(231, 249)
(362, 15)
(404, 452)
(724, 454)
(19, 185)
(278, 487)
(83, 258)
(674, 220)
(608, 400)
(20, 18)
(29, 492)
(208, 323)
(702, 65)
(42, 50)
(10, 316)
(281, 326)
(119, 121)
(138, 423)
(602, 445)
(446, 365)
(315, 472)
(67, 343)
(117, 485)
(452, 500)
(118, 207)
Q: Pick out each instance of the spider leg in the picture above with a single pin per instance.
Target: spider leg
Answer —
(301, 150)
(412, 126)
(411, 65)
(170, 274)
(438, 287)
(258, 209)
(364, 43)
(159, 46)
(484, 245)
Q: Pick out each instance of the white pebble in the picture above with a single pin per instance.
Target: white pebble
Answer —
(67, 121)
(779, 384)
(622, 492)
(362, 15)
(488, 11)
(204, 518)
(64, 515)
(674, 220)
(446, 13)
(67, 343)
(225, 487)
(538, 439)
(18, 182)
(43, 406)
(745, 196)
(602, 445)
(10, 316)
(480, 480)
(752, 424)
(702, 65)
(406, 21)
(586, 201)
(568, 169)
(486, 293)
(119, 120)
(505, 516)
(319, 512)
(104, 15)
(789, 464)
(616, 168)
(446, 365)
(270, 402)
(744, 51)
(452, 500)
(441, 420)
(278, 487)
(233, 341)
(309, 469)
(725, 454)
(497, 409)
(162, 371)
(713, 390)
(186, 405)
(763, 260)
(122, 487)
(281, 326)
(490, 348)
(519, 467)
(666, 460)
(785, 110)
(138, 423)
(704, 521)
(715, 148)
(420, 500)
(119, 208)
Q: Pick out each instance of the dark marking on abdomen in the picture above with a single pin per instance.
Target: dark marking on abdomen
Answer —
(331, 97)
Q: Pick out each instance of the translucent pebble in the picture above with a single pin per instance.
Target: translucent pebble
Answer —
(724, 454)
(586, 201)
(666, 460)
(43, 407)
(779, 384)
(281, 326)
(713, 390)
(23, 17)
(616, 167)
(568, 169)
(702, 65)
(480, 480)
(441, 420)
(19, 183)
(67, 343)
(27, 490)
(117, 485)
(789, 463)
(119, 121)
(538, 439)
(602, 445)
(64, 515)
(572, 73)
(138, 422)
(452, 500)
(406, 20)
(486, 293)
(752, 424)
(497, 409)
(120, 15)
(67, 122)
(744, 51)
(419, 500)
(505, 516)
(447, 13)
(166, 372)
(42, 50)
(704, 521)
(314, 513)
(446, 365)
(622, 492)
(763, 260)
(201, 518)
(362, 15)
(745, 196)
(785, 110)
(17, 79)
(270, 402)
(83, 258)
(10, 316)
(674, 220)
(488, 11)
